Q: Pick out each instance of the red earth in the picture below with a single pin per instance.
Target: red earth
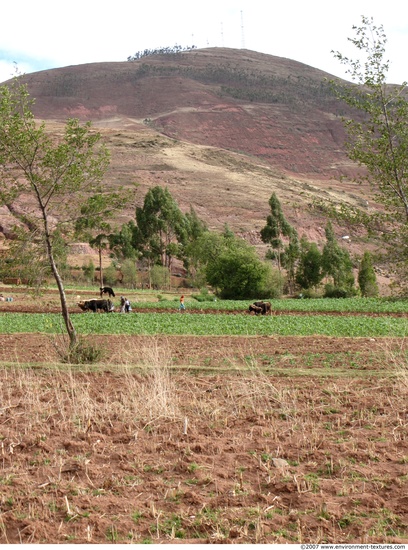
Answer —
(204, 440)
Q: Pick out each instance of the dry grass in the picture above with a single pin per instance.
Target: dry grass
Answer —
(150, 454)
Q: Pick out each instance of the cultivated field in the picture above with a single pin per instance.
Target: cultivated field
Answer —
(207, 426)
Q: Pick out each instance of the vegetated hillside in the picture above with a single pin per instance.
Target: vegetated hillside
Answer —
(221, 128)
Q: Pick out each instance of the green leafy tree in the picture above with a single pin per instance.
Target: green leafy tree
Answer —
(111, 275)
(378, 132)
(367, 279)
(101, 243)
(122, 242)
(336, 262)
(160, 226)
(208, 246)
(62, 175)
(160, 276)
(237, 274)
(276, 227)
(309, 271)
(129, 272)
(195, 228)
(290, 259)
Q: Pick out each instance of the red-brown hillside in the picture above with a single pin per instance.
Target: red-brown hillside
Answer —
(278, 110)
(221, 128)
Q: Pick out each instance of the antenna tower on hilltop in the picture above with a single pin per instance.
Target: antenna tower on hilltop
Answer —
(242, 31)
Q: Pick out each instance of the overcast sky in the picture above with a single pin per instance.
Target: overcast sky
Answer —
(45, 34)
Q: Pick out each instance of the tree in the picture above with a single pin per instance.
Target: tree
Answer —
(160, 226)
(367, 280)
(238, 273)
(195, 228)
(129, 272)
(336, 261)
(276, 227)
(290, 259)
(61, 175)
(309, 271)
(378, 132)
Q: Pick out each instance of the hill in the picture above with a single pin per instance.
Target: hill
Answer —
(221, 128)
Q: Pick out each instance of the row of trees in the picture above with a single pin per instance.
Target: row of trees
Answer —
(161, 233)
(167, 50)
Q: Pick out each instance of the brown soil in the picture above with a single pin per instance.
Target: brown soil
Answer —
(178, 439)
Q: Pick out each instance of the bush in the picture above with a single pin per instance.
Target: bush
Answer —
(331, 291)
(84, 353)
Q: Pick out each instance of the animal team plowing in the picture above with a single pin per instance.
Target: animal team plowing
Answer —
(106, 305)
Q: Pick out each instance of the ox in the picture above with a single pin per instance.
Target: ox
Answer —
(96, 305)
(107, 290)
(263, 308)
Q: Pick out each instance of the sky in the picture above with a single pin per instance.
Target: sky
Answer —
(44, 34)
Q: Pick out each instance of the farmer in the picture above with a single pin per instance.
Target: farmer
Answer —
(182, 307)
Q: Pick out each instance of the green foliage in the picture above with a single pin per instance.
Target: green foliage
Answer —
(236, 274)
(89, 270)
(367, 279)
(277, 227)
(110, 275)
(378, 134)
(82, 353)
(61, 174)
(168, 50)
(309, 271)
(160, 276)
(122, 242)
(160, 226)
(332, 291)
(129, 272)
(336, 262)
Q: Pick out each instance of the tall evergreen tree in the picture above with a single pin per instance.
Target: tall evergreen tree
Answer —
(367, 279)
(276, 227)
(160, 226)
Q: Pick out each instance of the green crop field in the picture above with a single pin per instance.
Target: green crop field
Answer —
(350, 305)
(204, 324)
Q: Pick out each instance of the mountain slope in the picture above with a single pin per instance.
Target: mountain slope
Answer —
(222, 128)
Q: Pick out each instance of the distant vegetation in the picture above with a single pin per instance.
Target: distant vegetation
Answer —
(160, 51)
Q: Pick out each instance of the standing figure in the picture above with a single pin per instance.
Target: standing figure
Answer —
(182, 307)
(122, 304)
(127, 306)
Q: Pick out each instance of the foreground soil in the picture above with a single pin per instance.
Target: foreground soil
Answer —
(205, 440)
(255, 440)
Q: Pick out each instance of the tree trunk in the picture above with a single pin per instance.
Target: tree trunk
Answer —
(100, 267)
(64, 306)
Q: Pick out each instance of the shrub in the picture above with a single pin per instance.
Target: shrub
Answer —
(331, 291)
(83, 353)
